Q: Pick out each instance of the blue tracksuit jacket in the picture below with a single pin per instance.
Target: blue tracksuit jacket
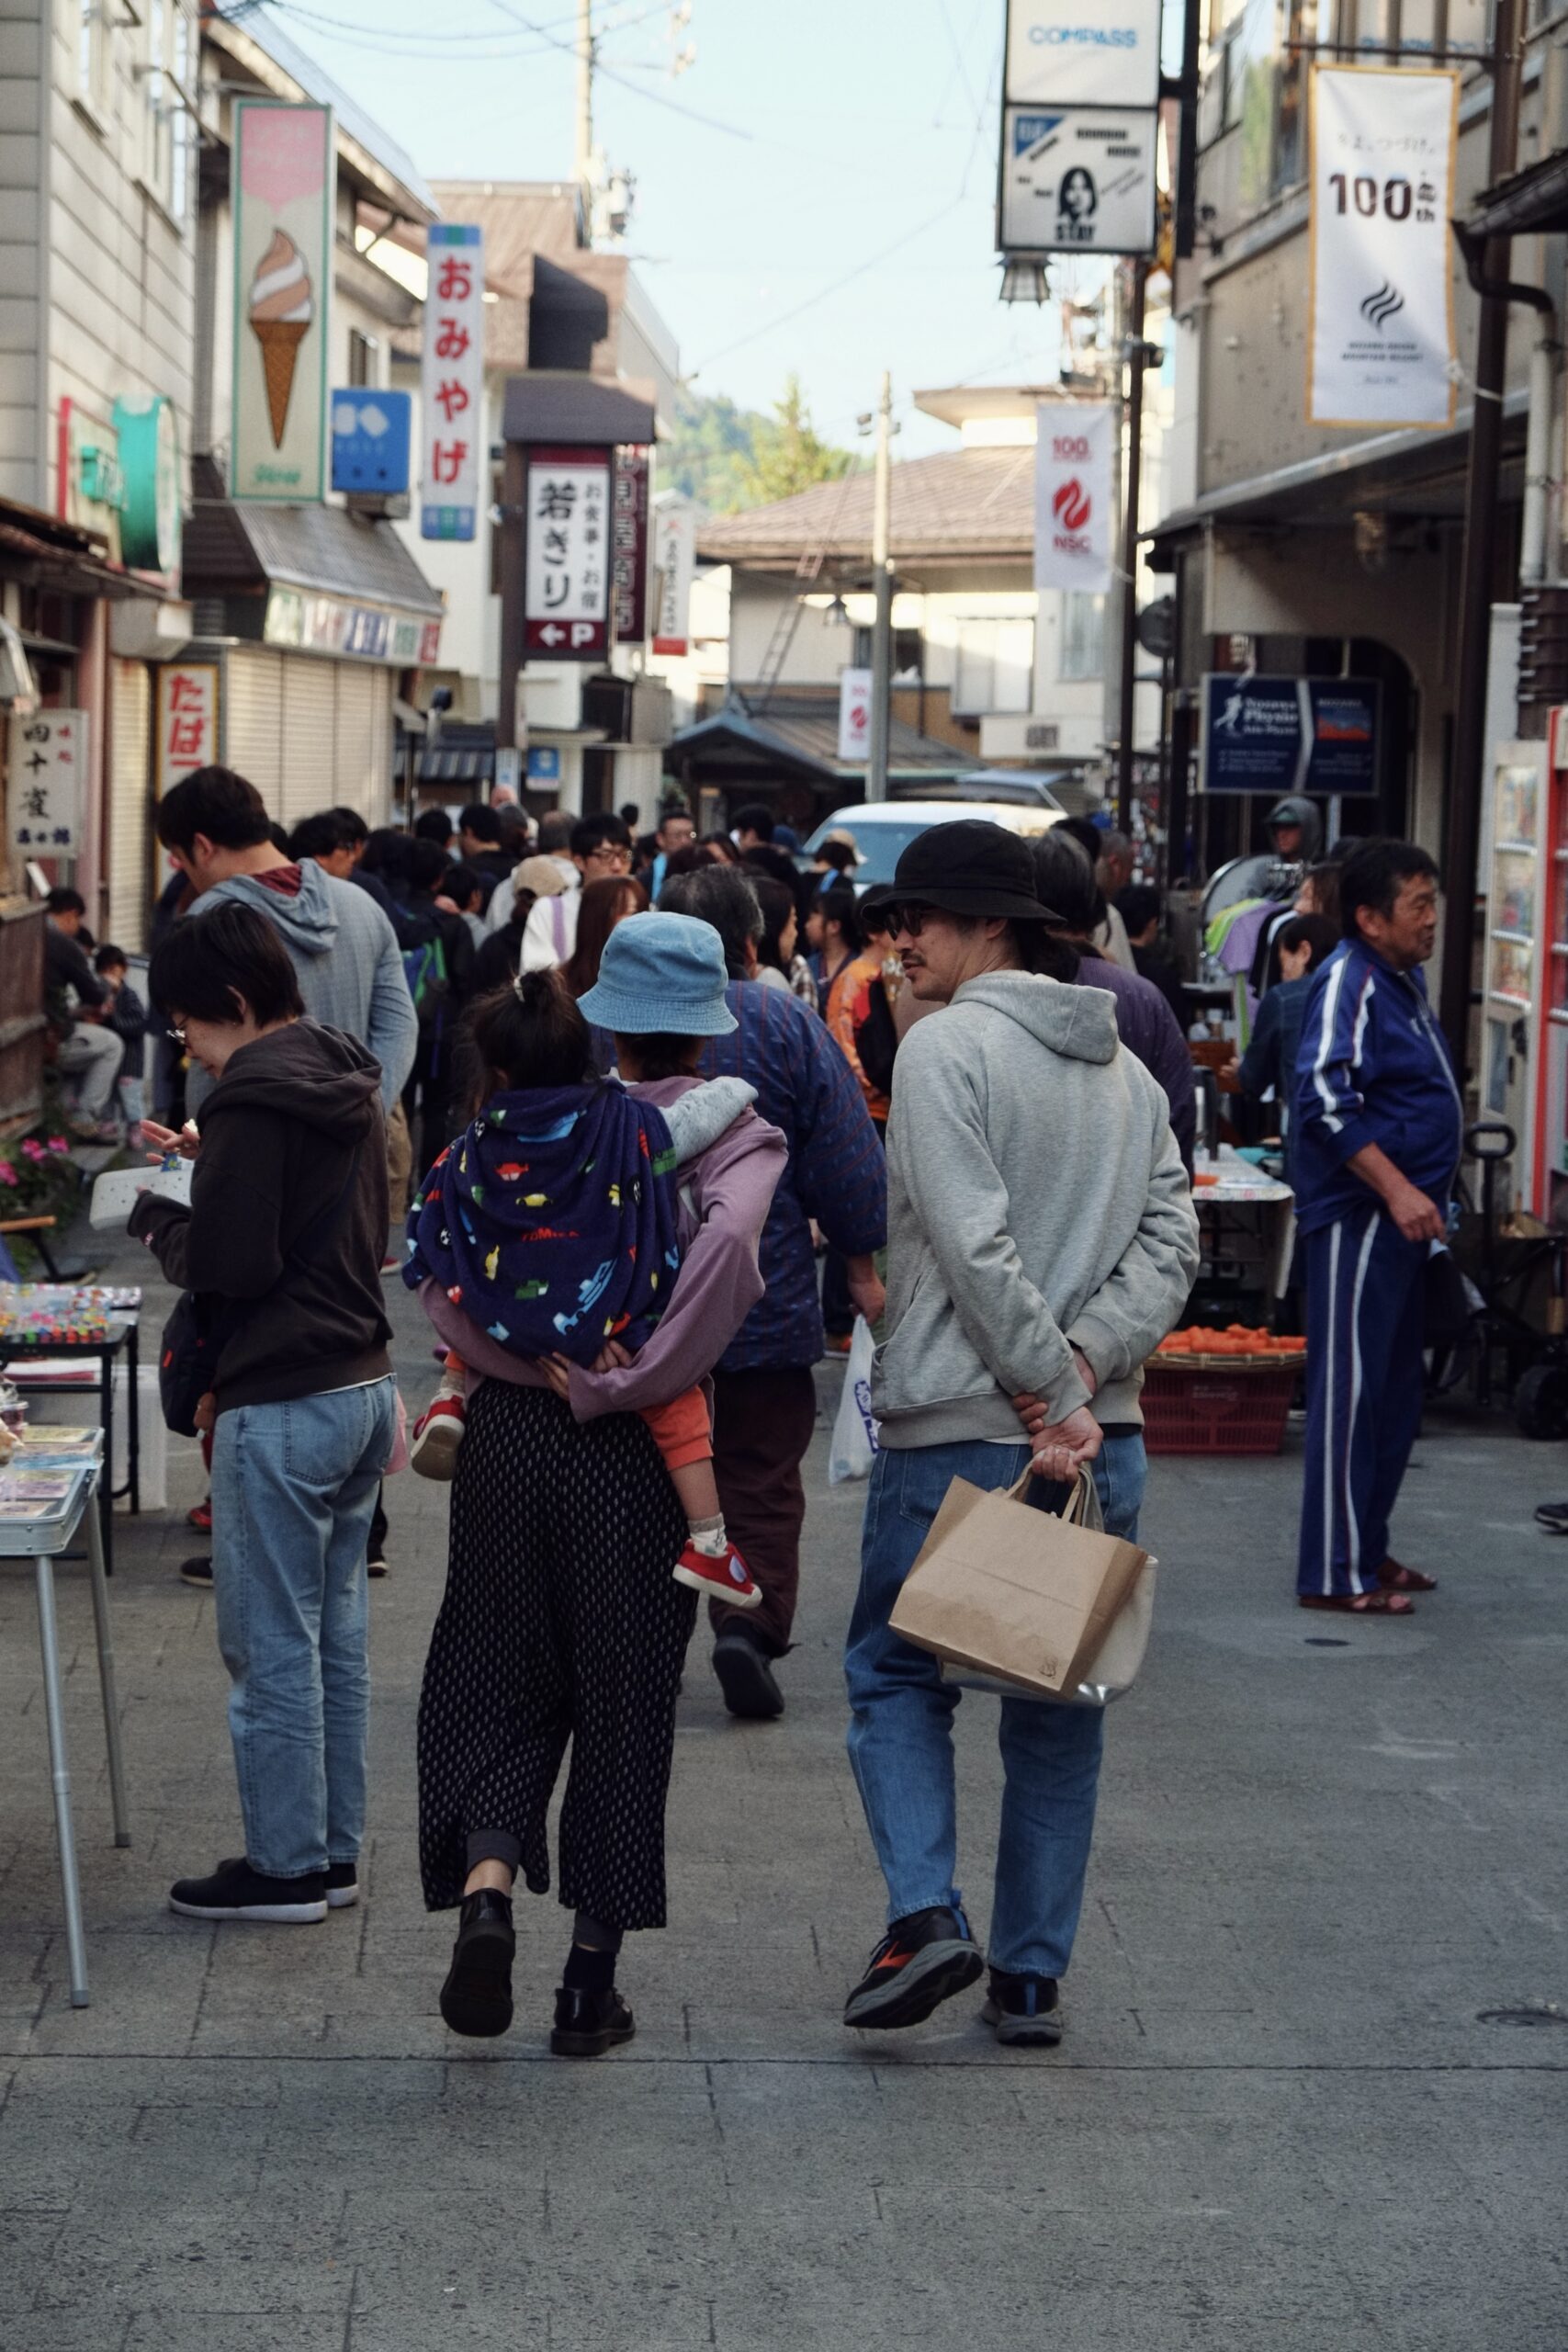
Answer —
(1372, 1067)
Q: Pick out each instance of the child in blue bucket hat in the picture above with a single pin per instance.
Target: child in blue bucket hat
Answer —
(551, 1220)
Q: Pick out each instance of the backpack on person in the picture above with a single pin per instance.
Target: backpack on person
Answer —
(876, 1039)
(424, 969)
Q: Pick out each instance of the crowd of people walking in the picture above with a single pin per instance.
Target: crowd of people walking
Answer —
(662, 1117)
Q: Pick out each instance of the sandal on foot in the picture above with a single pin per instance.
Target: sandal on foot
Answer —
(1394, 1576)
(1359, 1604)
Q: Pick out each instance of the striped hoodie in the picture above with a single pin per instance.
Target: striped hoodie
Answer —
(1373, 1067)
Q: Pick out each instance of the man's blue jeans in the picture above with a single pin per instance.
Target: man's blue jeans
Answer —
(293, 1488)
(901, 1720)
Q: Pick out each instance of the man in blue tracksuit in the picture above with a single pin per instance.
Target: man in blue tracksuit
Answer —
(1377, 1128)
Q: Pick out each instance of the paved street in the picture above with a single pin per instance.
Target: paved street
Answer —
(1313, 2092)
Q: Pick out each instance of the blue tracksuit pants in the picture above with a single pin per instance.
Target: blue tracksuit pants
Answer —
(1366, 1310)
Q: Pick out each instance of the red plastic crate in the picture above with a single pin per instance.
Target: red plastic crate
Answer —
(1239, 1409)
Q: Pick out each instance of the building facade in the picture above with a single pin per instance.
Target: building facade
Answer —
(986, 673)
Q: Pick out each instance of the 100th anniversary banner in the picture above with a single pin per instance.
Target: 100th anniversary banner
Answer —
(1382, 334)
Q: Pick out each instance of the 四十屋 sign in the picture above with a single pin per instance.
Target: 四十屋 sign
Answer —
(46, 761)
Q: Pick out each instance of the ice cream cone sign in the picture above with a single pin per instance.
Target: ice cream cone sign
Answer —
(281, 310)
(284, 184)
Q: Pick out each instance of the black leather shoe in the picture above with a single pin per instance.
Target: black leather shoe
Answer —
(477, 1996)
(746, 1677)
(587, 2024)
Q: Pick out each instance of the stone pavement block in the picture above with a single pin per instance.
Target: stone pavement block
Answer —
(278, 2328)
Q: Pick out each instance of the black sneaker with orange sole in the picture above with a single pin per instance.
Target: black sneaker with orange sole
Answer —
(921, 1961)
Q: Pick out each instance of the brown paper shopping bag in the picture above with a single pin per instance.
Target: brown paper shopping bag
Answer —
(1014, 1592)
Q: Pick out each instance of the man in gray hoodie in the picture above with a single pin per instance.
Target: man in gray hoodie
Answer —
(344, 952)
(1042, 1241)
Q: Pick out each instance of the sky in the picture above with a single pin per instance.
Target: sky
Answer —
(815, 193)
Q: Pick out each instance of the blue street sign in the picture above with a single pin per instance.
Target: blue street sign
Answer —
(371, 433)
(544, 763)
(1280, 735)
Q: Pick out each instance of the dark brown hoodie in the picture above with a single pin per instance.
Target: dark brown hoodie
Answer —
(295, 1115)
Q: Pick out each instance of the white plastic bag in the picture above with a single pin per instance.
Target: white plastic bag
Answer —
(855, 1431)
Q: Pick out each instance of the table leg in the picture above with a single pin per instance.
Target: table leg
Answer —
(107, 1681)
(133, 1412)
(105, 1488)
(49, 1640)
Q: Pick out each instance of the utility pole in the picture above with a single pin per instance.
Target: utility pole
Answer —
(584, 90)
(1467, 781)
(882, 583)
(1134, 351)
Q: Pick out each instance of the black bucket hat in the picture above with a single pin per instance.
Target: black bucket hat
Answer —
(970, 867)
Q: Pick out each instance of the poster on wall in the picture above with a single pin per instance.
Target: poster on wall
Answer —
(1381, 335)
(1074, 452)
(451, 382)
(284, 184)
(1284, 734)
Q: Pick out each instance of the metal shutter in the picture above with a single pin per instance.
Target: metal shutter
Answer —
(131, 803)
(378, 803)
(253, 720)
(355, 745)
(309, 736)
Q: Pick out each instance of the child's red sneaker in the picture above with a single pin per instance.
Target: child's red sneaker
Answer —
(723, 1577)
(437, 1434)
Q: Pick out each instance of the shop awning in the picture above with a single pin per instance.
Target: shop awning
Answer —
(1418, 473)
(57, 555)
(311, 579)
(1531, 203)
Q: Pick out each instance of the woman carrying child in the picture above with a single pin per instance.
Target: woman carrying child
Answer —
(588, 1253)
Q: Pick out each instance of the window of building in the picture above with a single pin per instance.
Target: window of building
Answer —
(165, 79)
(92, 55)
(1082, 653)
(907, 654)
(361, 357)
(995, 668)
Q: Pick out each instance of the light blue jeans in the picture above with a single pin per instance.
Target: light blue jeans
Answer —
(293, 1488)
(901, 1720)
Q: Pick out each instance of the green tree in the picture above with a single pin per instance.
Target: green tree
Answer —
(709, 457)
(788, 454)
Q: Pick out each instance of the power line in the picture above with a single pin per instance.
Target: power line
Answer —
(874, 261)
(654, 98)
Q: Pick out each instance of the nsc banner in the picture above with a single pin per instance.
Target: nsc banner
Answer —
(1075, 453)
(1381, 338)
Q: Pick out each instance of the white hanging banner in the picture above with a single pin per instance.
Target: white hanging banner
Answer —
(854, 715)
(1380, 338)
(1074, 457)
(674, 562)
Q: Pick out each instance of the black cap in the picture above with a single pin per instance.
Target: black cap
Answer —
(970, 867)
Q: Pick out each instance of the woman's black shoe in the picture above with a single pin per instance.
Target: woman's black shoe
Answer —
(587, 2024)
(477, 1996)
